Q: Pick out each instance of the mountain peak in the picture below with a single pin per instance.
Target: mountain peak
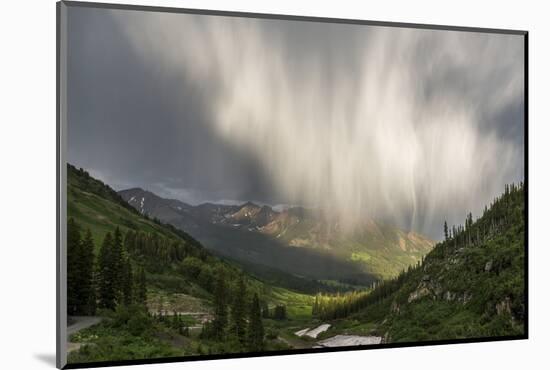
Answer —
(250, 204)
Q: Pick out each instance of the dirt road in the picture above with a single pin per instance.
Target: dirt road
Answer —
(79, 323)
(82, 322)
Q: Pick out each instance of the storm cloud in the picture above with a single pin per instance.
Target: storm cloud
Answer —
(408, 126)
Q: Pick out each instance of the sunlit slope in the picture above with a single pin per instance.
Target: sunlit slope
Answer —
(95, 206)
(471, 285)
(381, 250)
(298, 241)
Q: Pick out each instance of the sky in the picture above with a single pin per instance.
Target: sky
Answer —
(407, 126)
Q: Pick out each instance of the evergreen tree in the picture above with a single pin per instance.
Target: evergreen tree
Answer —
(107, 274)
(127, 282)
(130, 241)
(265, 310)
(220, 308)
(87, 288)
(280, 312)
(112, 271)
(73, 261)
(141, 288)
(238, 312)
(118, 264)
(446, 230)
(315, 308)
(255, 341)
(80, 259)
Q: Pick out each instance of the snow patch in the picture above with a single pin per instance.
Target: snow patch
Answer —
(349, 340)
(301, 332)
(313, 333)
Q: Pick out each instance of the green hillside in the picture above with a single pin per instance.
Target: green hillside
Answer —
(97, 207)
(100, 209)
(470, 286)
(185, 284)
(376, 249)
(297, 241)
(172, 297)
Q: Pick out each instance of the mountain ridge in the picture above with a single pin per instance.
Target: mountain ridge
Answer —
(375, 249)
(471, 285)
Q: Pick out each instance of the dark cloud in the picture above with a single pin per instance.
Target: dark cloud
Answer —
(136, 124)
(400, 124)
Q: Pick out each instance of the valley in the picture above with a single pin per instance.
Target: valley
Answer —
(213, 279)
(296, 241)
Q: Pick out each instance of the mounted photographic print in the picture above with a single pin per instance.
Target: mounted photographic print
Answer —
(236, 185)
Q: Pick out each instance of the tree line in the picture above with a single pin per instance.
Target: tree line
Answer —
(237, 320)
(107, 281)
(328, 307)
(505, 210)
(116, 277)
(175, 321)
(156, 252)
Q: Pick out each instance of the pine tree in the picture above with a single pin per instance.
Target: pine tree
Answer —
(141, 288)
(280, 312)
(255, 341)
(118, 265)
(315, 308)
(446, 230)
(238, 312)
(127, 282)
(220, 308)
(265, 310)
(130, 241)
(73, 261)
(87, 288)
(107, 274)
(112, 272)
(80, 259)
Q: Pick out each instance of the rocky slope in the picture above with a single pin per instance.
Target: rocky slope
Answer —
(471, 285)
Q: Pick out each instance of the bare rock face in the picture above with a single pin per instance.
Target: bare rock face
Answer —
(395, 308)
(504, 306)
(465, 298)
(421, 291)
(449, 296)
(454, 261)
